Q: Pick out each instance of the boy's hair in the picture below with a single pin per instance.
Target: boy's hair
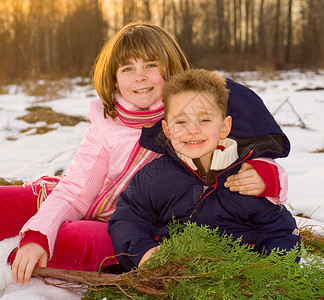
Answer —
(134, 41)
(197, 80)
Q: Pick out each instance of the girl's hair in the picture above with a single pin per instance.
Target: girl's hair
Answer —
(197, 80)
(137, 40)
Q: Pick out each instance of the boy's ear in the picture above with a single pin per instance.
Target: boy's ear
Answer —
(226, 128)
(166, 129)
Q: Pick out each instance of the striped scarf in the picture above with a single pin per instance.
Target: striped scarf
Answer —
(140, 118)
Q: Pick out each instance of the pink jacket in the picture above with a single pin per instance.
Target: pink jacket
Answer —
(101, 156)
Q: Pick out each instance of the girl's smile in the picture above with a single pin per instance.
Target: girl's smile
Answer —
(140, 82)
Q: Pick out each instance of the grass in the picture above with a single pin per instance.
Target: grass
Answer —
(314, 241)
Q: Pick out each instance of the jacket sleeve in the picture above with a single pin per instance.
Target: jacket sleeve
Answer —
(133, 224)
(278, 180)
(74, 194)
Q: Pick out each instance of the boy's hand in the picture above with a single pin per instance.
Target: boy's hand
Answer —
(247, 181)
(148, 254)
(26, 259)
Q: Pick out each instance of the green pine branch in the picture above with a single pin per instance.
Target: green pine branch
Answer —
(198, 263)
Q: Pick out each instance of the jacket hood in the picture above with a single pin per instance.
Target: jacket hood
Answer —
(253, 126)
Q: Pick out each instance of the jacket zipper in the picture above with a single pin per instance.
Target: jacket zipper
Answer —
(202, 196)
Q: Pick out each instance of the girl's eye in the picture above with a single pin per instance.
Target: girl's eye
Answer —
(152, 65)
(180, 122)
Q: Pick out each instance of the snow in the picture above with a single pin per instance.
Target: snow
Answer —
(27, 156)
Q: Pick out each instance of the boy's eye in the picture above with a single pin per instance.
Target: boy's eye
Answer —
(206, 120)
(180, 122)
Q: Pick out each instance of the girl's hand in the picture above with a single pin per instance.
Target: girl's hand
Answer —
(247, 181)
(26, 259)
(148, 254)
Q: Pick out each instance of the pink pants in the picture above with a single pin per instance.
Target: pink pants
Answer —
(80, 245)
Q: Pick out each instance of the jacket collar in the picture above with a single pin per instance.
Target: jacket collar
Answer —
(222, 157)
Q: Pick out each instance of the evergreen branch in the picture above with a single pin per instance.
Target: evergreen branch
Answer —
(197, 263)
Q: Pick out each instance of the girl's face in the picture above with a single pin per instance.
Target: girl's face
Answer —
(140, 82)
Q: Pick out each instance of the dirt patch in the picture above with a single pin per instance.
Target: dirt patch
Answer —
(319, 150)
(39, 130)
(49, 116)
(4, 181)
(46, 90)
(46, 114)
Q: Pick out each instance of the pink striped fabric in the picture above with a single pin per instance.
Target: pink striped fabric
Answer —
(105, 204)
(141, 118)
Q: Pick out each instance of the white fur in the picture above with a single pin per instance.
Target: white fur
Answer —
(36, 289)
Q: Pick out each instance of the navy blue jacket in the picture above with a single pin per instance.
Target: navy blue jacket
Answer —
(167, 187)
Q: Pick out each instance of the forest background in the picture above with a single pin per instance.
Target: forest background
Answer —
(57, 38)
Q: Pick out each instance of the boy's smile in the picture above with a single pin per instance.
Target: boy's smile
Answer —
(194, 124)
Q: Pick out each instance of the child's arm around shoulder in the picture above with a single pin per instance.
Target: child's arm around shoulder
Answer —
(261, 177)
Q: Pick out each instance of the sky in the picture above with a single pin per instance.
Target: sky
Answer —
(294, 97)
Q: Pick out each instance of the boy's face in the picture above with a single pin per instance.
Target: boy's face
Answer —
(195, 124)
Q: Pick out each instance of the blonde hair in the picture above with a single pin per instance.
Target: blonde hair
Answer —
(197, 80)
(135, 40)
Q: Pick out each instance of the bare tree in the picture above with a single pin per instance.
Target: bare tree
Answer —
(247, 22)
(147, 10)
(261, 44)
(129, 9)
(253, 33)
(221, 24)
(289, 32)
(43, 36)
(276, 54)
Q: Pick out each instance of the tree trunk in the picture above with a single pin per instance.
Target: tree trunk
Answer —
(235, 25)
(252, 27)
(247, 19)
(289, 33)
(147, 10)
(262, 32)
(276, 54)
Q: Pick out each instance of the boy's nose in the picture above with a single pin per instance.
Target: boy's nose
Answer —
(193, 128)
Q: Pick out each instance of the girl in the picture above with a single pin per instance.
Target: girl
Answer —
(67, 230)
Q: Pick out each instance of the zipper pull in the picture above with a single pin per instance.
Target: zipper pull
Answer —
(193, 212)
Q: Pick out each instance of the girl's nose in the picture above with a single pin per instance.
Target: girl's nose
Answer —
(140, 76)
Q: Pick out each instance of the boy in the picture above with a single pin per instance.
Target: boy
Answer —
(187, 182)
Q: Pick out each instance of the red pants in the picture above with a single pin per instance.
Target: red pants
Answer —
(80, 245)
